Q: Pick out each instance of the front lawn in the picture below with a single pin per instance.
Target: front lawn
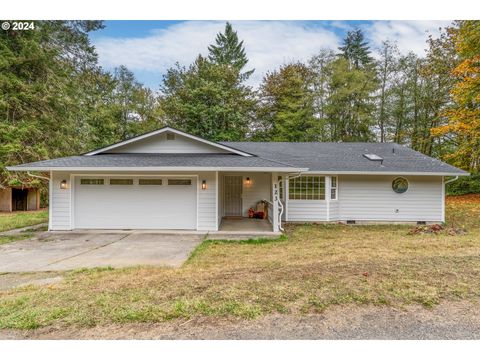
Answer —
(14, 220)
(316, 267)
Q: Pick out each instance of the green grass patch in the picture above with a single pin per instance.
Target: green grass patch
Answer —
(5, 239)
(318, 267)
(9, 221)
(254, 241)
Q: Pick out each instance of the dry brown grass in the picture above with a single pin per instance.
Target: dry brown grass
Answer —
(317, 266)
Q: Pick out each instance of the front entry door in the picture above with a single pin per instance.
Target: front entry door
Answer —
(233, 195)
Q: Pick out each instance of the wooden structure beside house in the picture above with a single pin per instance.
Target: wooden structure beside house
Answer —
(19, 199)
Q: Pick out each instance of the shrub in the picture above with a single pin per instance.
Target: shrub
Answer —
(464, 185)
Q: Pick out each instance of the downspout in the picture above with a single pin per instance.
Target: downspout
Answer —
(451, 180)
(43, 177)
(280, 202)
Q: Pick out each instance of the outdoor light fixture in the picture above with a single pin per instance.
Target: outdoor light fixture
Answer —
(248, 182)
(204, 184)
(63, 184)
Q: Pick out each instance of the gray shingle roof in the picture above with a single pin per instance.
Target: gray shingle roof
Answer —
(158, 160)
(348, 157)
(321, 157)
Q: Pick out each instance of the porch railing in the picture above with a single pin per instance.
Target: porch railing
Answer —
(270, 212)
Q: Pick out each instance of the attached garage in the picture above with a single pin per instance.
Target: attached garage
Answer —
(123, 202)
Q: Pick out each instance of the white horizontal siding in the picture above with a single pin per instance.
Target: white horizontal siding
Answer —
(207, 202)
(371, 198)
(334, 210)
(160, 144)
(307, 210)
(258, 190)
(60, 202)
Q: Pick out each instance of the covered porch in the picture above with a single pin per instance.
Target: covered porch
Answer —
(250, 202)
(245, 224)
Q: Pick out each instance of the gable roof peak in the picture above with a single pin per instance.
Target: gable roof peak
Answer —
(163, 130)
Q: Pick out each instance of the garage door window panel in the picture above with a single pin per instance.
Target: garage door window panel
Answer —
(150, 182)
(121, 181)
(184, 182)
(91, 182)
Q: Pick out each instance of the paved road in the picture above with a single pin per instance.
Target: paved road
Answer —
(73, 250)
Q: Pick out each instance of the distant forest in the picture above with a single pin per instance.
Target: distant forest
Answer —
(55, 99)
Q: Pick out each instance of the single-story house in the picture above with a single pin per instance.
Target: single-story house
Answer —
(169, 179)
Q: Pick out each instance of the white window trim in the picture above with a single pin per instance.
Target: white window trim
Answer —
(336, 188)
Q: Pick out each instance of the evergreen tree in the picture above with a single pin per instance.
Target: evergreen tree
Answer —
(44, 83)
(350, 102)
(287, 104)
(229, 51)
(356, 50)
(208, 100)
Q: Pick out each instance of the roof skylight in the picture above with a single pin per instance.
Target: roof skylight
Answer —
(373, 157)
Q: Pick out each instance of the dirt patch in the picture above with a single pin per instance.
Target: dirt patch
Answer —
(13, 280)
(469, 198)
(452, 320)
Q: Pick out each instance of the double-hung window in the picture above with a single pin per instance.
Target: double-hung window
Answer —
(333, 188)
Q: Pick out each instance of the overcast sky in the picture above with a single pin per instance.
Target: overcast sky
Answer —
(148, 48)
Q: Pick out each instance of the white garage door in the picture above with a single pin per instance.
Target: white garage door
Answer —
(123, 202)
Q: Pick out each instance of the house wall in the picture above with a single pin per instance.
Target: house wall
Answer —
(371, 198)
(160, 144)
(207, 202)
(6, 199)
(334, 210)
(220, 199)
(307, 210)
(259, 189)
(361, 198)
(60, 202)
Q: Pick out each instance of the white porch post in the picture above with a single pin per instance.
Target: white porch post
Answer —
(285, 194)
(275, 196)
(328, 187)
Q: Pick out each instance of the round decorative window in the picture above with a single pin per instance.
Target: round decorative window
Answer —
(400, 185)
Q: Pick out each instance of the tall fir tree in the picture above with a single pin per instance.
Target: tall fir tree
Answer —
(229, 50)
(356, 50)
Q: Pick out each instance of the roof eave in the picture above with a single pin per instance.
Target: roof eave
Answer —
(158, 168)
(411, 173)
(232, 168)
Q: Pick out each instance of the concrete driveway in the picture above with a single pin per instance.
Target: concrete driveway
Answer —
(73, 250)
